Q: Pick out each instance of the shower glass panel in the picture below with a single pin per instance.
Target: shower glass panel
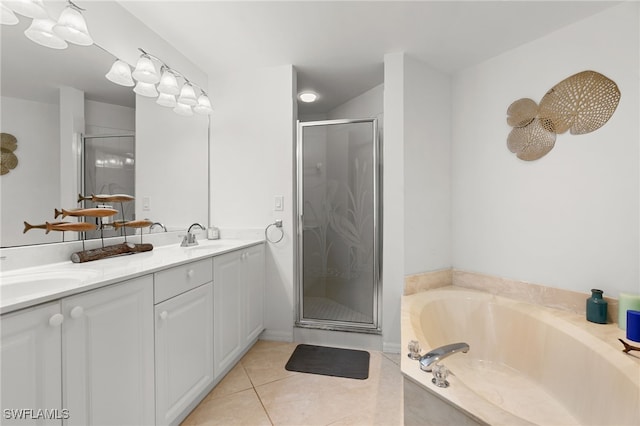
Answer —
(108, 167)
(338, 246)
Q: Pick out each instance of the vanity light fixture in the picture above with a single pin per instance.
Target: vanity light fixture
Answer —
(7, 17)
(72, 27)
(167, 87)
(308, 97)
(120, 73)
(28, 8)
(41, 31)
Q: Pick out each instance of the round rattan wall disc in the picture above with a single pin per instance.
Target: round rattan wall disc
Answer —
(8, 141)
(8, 160)
(531, 142)
(581, 103)
(522, 112)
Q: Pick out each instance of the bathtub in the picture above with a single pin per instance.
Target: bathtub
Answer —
(527, 364)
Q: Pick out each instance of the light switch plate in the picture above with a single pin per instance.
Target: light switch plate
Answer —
(278, 204)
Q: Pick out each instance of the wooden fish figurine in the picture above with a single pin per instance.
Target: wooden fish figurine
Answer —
(133, 224)
(62, 226)
(96, 212)
(106, 198)
(28, 226)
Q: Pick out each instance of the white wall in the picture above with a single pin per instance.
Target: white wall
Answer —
(171, 166)
(252, 161)
(102, 118)
(416, 179)
(369, 104)
(570, 219)
(171, 150)
(427, 168)
(31, 190)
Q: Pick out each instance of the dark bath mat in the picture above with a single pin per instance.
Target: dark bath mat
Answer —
(328, 361)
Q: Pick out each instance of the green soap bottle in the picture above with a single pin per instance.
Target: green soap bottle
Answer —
(596, 307)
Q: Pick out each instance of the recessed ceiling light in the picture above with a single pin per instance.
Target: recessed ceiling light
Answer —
(308, 97)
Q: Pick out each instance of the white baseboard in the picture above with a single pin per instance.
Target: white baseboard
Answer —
(277, 335)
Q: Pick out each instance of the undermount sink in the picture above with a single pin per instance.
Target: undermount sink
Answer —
(30, 284)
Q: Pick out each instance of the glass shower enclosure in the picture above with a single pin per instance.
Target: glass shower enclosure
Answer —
(338, 247)
(108, 167)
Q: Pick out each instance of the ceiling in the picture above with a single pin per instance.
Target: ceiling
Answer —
(338, 46)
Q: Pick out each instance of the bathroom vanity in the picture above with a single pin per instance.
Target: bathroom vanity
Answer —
(133, 340)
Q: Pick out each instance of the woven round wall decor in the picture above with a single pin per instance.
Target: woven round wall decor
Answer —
(8, 160)
(581, 103)
(522, 112)
(533, 141)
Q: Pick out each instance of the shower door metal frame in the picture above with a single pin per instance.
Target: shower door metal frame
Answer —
(376, 326)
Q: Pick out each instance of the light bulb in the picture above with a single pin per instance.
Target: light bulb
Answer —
(145, 71)
(166, 100)
(72, 27)
(146, 89)
(182, 109)
(204, 105)
(168, 83)
(187, 95)
(7, 17)
(28, 8)
(308, 97)
(41, 31)
(120, 73)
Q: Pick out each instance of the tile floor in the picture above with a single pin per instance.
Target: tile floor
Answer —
(259, 391)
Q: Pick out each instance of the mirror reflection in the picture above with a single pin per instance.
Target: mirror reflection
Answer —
(42, 89)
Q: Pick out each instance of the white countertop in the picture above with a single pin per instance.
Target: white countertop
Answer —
(22, 288)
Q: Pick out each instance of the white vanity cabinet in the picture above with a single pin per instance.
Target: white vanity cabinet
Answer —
(30, 354)
(83, 360)
(107, 355)
(238, 293)
(183, 338)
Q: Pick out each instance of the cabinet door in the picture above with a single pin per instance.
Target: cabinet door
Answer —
(253, 281)
(31, 375)
(108, 360)
(184, 351)
(227, 310)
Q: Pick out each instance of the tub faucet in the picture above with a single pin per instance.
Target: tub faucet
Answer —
(190, 239)
(428, 360)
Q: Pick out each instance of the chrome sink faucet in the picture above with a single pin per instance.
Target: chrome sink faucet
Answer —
(428, 360)
(190, 239)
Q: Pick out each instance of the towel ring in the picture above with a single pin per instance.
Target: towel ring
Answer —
(277, 224)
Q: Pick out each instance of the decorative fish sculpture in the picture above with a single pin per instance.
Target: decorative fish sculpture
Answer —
(133, 224)
(106, 198)
(62, 226)
(28, 226)
(95, 212)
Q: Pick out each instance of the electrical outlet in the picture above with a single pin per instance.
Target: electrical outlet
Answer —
(146, 204)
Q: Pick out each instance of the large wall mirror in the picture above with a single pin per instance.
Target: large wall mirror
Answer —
(41, 88)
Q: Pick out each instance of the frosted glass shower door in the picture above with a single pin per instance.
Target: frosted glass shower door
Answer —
(337, 225)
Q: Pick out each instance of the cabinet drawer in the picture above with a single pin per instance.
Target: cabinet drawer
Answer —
(177, 280)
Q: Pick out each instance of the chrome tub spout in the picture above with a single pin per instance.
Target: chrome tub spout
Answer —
(432, 357)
